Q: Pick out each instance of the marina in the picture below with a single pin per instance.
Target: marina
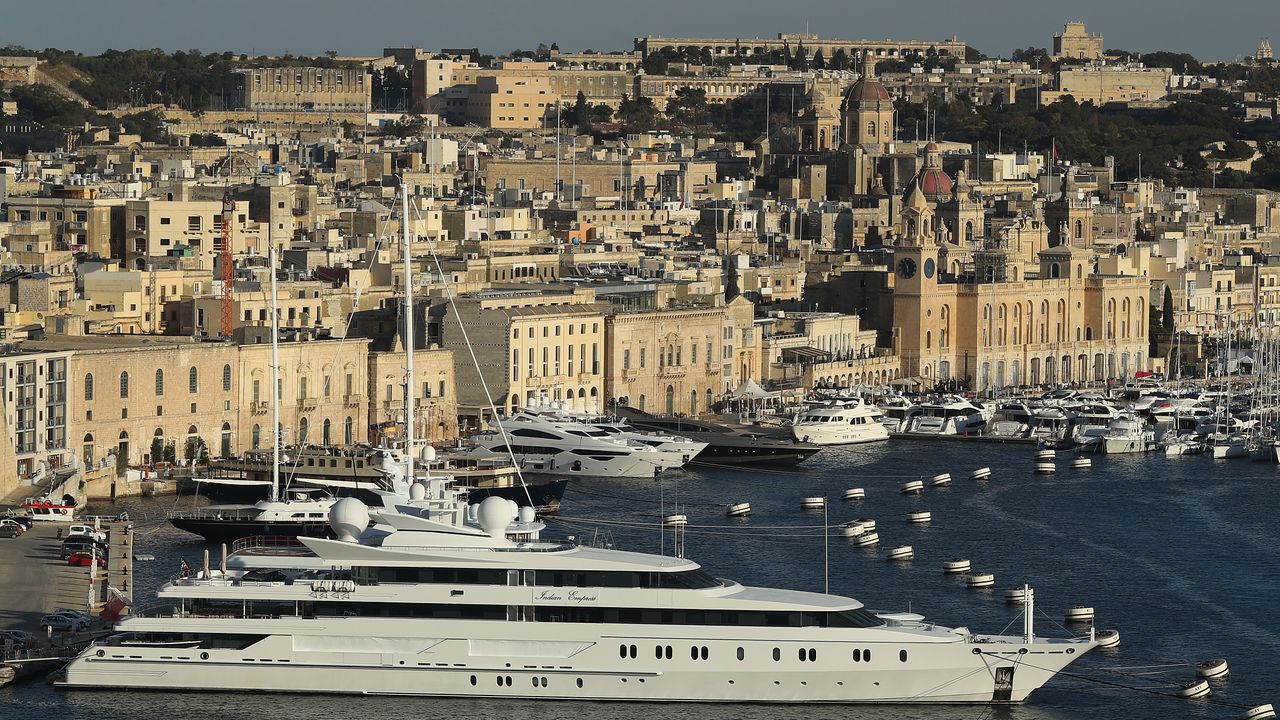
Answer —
(1065, 535)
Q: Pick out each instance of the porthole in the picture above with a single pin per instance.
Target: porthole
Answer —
(667, 650)
(499, 679)
(204, 656)
(535, 681)
(866, 655)
(902, 655)
(705, 652)
(803, 655)
(813, 655)
(473, 681)
(693, 653)
(777, 654)
(102, 653)
(742, 654)
(579, 682)
(857, 655)
(657, 651)
(622, 651)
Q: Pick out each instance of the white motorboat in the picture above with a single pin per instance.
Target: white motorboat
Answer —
(1230, 447)
(948, 416)
(840, 421)
(545, 445)
(440, 599)
(1128, 434)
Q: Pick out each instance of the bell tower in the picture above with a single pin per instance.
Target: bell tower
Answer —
(867, 113)
(1069, 219)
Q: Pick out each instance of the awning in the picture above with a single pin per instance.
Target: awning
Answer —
(750, 390)
(906, 382)
(805, 355)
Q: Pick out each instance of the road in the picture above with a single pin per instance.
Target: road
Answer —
(33, 580)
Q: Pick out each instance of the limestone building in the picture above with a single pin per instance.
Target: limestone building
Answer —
(1075, 42)
(304, 89)
(667, 361)
(1067, 324)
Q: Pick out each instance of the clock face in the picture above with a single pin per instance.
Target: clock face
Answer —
(907, 268)
(928, 267)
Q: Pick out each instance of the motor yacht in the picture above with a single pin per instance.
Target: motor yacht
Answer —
(1128, 434)
(947, 416)
(840, 421)
(431, 597)
(545, 445)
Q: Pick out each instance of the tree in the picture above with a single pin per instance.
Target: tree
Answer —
(819, 62)
(840, 60)
(688, 107)
(581, 113)
(638, 115)
(1166, 319)
(157, 449)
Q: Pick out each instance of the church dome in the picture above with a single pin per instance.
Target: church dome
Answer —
(865, 91)
(932, 180)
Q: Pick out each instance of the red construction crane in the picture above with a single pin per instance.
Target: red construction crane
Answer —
(228, 271)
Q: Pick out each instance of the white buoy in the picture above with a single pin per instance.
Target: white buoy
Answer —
(854, 494)
(741, 509)
(1082, 463)
(1079, 614)
(982, 473)
(813, 502)
(1260, 712)
(1015, 596)
(675, 520)
(941, 480)
(918, 517)
(1045, 468)
(1107, 638)
(1193, 689)
(866, 539)
(955, 566)
(902, 552)
(980, 580)
(914, 487)
(1046, 454)
(1215, 669)
(868, 523)
(852, 529)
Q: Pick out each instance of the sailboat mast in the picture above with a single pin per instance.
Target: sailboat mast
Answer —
(275, 376)
(408, 336)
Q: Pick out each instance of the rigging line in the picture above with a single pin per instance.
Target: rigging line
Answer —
(466, 338)
(698, 463)
(710, 527)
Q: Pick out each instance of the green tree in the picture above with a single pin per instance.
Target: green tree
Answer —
(819, 62)
(689, 107)
(581, 112)
(840, 60)
(1166, 313)
(638, 115)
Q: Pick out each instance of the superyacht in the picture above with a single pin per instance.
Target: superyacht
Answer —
(840, 421)
(438, 598)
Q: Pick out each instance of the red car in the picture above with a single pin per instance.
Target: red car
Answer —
(84, 559)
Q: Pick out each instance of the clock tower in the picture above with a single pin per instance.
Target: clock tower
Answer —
(920, 305)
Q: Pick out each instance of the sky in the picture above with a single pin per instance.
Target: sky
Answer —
(1208, 29)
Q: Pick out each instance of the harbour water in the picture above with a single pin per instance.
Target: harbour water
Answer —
(1178, 554)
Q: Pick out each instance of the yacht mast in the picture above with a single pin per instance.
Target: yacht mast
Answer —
(407, 332)
(275, 376)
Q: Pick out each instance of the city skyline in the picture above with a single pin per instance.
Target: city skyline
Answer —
(1210, 32)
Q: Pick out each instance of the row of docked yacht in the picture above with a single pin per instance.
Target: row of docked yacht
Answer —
(427, 595)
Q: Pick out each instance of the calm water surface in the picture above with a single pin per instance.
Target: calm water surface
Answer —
(1179, 554)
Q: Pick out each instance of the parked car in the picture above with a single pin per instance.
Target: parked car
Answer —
(55, 621)
(22, 520)
(10, 531)
(84, 559)
(85, 531)
(21, 640)
(13, 523)
(81, 544)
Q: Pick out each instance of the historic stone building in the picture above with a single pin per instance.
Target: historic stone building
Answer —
(1068, 324)
(666, 361)
(1075, 42)
(304, 89)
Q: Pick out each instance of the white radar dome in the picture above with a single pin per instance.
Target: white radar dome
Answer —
(418, 491)
(349, 518)
(427, 454)
(494, 516)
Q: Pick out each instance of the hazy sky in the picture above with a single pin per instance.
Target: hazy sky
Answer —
(1209, 29)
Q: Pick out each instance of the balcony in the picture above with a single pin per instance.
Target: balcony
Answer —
(306, 404)
(258, 408)
(352, 400)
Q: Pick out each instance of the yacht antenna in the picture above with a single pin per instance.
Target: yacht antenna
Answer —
(407, 332)
(275, 373)
(1028, 614)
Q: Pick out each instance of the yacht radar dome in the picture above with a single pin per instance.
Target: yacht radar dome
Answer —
(418, 491)
(427, 454)
(348, 517)
(527, 514)
(494, 516)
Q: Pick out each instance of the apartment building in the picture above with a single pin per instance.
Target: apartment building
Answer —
(304, 89)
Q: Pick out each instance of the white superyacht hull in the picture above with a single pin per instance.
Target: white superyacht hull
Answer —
(815, 434)
(577, 662)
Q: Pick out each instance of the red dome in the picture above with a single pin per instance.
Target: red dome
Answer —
(936, 184)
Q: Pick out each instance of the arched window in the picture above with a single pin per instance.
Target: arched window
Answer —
(1079, 229)
(871, 128)
(255, 437)
(324, 432)
(1054, 270)
(693, 402)
(124, 385)
(928, 339)
(226, 440)
(641, 403)
(671, 400)
(226, 378)
(193, 380)
(968, 231)
(886, 128)
(159, 383)
(88, 386)
(348, 428)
